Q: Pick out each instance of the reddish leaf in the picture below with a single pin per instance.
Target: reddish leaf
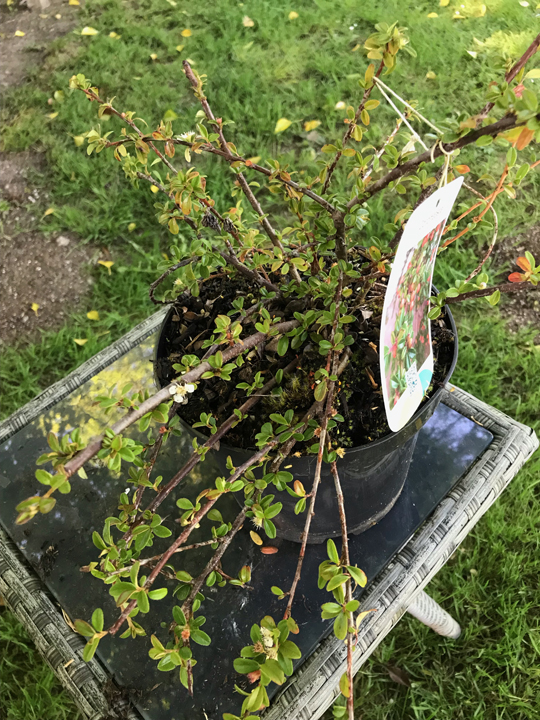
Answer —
(524, 264)
(269, 550)
(515, 277)
(524, 138)
(462, 169)
(518, 90)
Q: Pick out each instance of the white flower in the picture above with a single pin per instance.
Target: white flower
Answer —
(190, 387)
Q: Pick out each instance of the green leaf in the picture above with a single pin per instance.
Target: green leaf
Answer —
(344, 685)
(290, 650)
(332, 551)
(84, 628)
(158, 594)
(273, 672)
(98, 542)
(340, 626)
(98, 620)
(200, 637)
(245, 665)
(359, 576)
(89, 649)
(142, 601)
(320, 391)
(178, 615)
(276, 590)
(337, 580)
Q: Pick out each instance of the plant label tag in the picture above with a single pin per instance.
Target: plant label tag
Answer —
(405, 350)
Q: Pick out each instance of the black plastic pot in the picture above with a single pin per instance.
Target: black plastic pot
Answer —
(372, 476)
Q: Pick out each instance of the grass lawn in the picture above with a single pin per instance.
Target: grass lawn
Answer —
(298, 69)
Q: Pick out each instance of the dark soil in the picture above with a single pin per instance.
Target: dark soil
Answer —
(360, 395)
(41, 21)
(34, 268)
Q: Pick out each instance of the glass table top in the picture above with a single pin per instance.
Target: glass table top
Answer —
(57, 545)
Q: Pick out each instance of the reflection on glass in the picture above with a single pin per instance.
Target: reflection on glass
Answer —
(59, 544)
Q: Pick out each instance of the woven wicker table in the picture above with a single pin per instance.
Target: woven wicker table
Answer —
(398, 588)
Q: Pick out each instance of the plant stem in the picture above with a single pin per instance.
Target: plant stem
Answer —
(196, 457)
(506, 123)
(164, 394)
(511, 74)
(345, 559)
(483, 292)
(214, 561)
(180, 540)
(349, 132)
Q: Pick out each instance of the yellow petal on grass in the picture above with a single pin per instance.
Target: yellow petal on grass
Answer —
(340, 105)
(153, 56)
(89, 31)
(472, 53)
(256, 538)
(430, 75)
(311, 125)
(179, 48)
(444, 3)
(281, 125)
(293, 15)
(432, 15)
(48, 211)
(114, 35)
(186, 33)
(19, 33)
(132, 226)
(154, 188)
(106, 263)
(247, 21)
(80, 341)
(35, 308)
(92, 315)
(52, 115)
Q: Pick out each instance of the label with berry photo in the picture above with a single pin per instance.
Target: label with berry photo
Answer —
(405, 341)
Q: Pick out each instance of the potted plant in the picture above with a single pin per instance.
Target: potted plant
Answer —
(269, 353)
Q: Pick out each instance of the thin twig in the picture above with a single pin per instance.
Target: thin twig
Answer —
(345, 559)
(349, 132)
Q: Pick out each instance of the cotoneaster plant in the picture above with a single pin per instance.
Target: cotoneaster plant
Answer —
(306, 283)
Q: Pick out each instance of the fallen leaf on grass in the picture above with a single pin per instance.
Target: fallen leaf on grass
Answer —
(281, 125)
(92, 315)
(247, 21)
(293, 15)
(311, 125)
(106, 263)
(48, 211)
(186, 33)
(35, 308)
(398, 675)
(80, 341)
(89, 31)
(19, 33)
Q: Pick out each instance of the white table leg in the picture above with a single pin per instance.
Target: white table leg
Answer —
(431, 614)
